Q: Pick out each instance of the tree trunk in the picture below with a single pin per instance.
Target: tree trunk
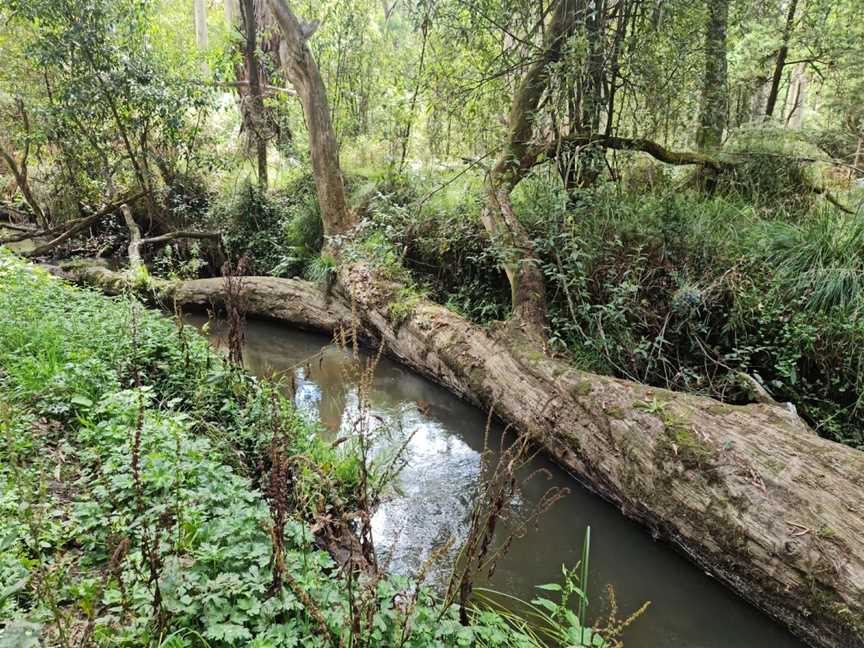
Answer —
(859, 157)
(799, 85)
(230, 7)
(714, 107)
(780, 62)
(303, 73)
(134, 249)
(749, 493)
(253, 101)
(528, 292)
(200, 8)
(200, 11)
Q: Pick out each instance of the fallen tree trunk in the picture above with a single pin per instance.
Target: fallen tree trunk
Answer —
(749, 493)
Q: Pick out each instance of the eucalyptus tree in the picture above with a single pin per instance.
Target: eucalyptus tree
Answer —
(250, 86)
(303, 73)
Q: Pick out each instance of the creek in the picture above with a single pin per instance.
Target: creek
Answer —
(433, 500)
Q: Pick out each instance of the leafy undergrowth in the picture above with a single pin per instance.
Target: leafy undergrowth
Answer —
(134, 508)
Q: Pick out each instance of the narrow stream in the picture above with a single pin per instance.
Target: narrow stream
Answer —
(688, 608)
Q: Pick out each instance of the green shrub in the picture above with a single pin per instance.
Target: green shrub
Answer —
(279, 233)
(771, 181)
(821, 258)
(437, 237)
(684, 292)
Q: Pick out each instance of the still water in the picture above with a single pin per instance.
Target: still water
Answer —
(436, 489)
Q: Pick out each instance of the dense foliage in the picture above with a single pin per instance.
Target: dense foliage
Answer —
(670, 288)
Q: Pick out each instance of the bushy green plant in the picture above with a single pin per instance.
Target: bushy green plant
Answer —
(437, 237)
(173, 263)
(769, 180)
(768, 171)
(279, 233)
(685, 292)
(821, 258)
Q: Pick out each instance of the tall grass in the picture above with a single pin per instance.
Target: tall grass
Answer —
(821, 258)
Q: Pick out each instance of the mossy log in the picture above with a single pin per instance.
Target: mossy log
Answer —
(749, 493)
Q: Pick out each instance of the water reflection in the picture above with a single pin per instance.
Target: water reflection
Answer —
(436, 490)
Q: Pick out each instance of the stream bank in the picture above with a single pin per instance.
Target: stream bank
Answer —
(748, 493)
(435, 496)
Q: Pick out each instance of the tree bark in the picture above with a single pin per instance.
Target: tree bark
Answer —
(303, 73)
(780, 62)
(749, 493)
(134, 249)
(800, 84)
(528, 292)
(714, 107)
(253, 101)
(200, 9)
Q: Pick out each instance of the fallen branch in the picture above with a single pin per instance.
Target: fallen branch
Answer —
(170, 236)
(78, 225)
(650, 147)
(245, 84)
(136, 242)
(18, 228)
(661, 153)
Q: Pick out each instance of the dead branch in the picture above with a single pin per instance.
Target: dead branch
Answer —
(78, 225)
(136, 242)
(658, 152)
(181, 234)
(655, 150)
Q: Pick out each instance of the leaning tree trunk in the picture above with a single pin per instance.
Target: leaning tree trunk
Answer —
(780, 62)
(19, 170)
(302, 71)
(528, 292)
(749, 493)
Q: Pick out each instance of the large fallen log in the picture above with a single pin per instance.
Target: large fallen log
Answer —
(749, 493)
